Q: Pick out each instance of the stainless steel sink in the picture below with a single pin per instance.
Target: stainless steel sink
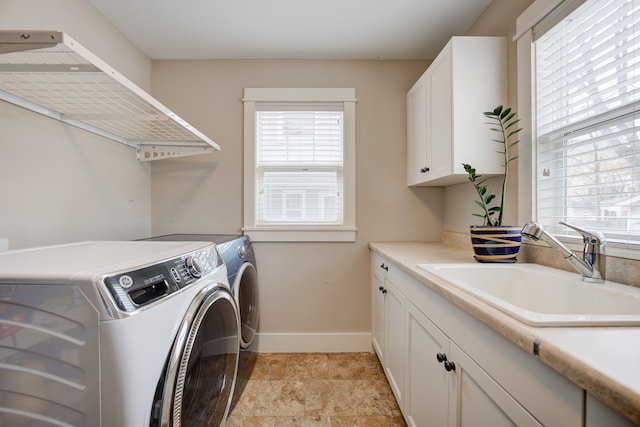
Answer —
(543, 296)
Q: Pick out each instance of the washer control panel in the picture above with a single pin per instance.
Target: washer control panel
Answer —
(132, 290)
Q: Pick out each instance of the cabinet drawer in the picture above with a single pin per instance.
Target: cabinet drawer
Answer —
(379, 264)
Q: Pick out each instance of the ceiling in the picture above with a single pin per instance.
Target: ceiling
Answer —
(326, 29)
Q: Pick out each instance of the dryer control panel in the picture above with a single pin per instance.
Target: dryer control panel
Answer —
(132, 290)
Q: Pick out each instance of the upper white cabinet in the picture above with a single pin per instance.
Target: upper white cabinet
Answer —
(445, 122)
(418, 121)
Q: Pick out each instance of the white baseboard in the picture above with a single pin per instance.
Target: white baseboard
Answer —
(311, 343)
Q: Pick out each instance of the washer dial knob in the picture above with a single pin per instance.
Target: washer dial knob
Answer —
(242, 251)
(194, 266)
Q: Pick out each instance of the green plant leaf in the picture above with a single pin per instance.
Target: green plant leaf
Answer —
(508, 118)
(504, 114)
(513, 133)
(512, 124)
(503, 121)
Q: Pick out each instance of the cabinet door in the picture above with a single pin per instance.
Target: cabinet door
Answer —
(417, 125)
(440, 109)
(377, 315)
(466, 79)
(427, 397)
(600, 415)
(480, 401)
(395, 343)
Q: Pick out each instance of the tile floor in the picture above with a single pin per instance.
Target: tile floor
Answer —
(313, 390)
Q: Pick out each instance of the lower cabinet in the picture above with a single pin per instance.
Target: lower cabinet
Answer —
(427, 402)
(395, 362)
(447, 388)
(388, 317)
(480, 400)
(600, 415)
(448, 369)
(377, 308)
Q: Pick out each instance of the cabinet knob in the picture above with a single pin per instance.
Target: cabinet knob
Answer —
(424, 170)
(441, 357)
(449, 366)
(384, 291)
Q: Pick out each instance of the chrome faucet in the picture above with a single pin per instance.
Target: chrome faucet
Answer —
(592, 264)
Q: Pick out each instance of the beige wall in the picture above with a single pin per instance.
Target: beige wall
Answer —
(59, 183)
(499, 19)
(306, 287)
(62, 184)
(80, 20)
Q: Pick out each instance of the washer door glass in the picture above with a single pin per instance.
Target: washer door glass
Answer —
(202, 369)
(247, 297)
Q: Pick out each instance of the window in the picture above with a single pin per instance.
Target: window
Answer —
(300, 164)
(587, 98)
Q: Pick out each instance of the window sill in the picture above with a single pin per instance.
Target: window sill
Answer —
(301, 234)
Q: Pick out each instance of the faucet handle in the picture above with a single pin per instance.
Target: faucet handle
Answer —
(588, 236)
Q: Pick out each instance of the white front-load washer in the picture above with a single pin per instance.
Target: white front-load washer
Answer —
(240, 259)
(117, 334)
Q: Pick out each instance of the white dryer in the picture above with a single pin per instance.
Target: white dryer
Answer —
(117, 334)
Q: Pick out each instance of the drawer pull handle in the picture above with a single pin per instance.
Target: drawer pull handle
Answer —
(384, 267)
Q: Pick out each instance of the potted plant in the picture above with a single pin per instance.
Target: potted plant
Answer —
(492, 241)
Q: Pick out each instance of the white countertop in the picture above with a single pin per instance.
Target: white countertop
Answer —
(605, 361)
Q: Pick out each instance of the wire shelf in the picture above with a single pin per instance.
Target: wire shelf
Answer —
(69, 83)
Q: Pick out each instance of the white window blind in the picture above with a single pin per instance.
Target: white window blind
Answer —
(299, 163)
(588, 120)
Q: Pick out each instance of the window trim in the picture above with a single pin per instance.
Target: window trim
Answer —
(300, 233)
(527, 160)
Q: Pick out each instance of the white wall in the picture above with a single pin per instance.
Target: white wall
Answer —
(59, 183)
(306, 288)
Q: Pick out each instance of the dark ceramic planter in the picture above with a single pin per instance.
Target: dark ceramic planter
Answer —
(495, 244)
